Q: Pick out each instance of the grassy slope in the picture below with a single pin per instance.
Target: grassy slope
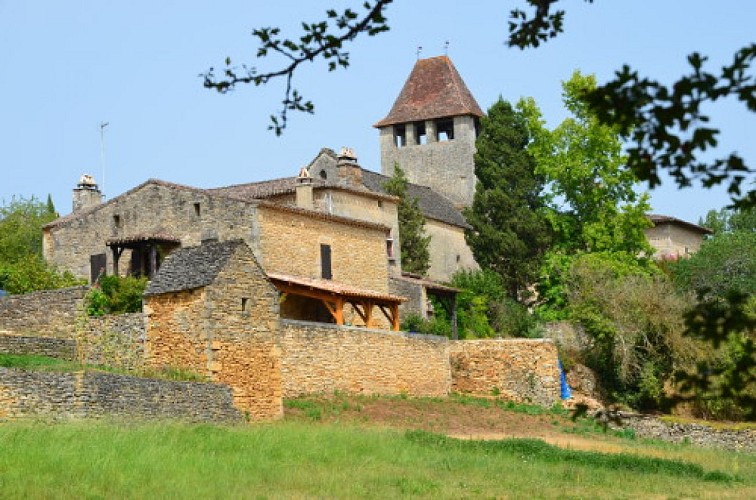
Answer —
(298, 459)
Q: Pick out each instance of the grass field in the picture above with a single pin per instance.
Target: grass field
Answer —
(300, 459)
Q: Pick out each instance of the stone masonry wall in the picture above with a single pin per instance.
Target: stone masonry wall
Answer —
(447, 167)
(448, 250)
(78, 395)
(115, 340)
(41, 346)
(694, 433)
(184, 213)
(225, 332)
(290, 244)
(48, 313)
(522, 370)
(318, 358)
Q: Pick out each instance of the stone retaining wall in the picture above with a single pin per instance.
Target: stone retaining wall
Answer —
(114, 340)
(41, 346)
(84, 394)
(318, 358)
(523, 370)
(698, 434)
(48, 313)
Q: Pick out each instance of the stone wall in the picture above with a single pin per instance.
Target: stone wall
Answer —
(673, 241)
(447, 167)
(321, 359)
(225, 332)
(85, 394)
(115, 340)
(290, 244)
(698, 434)
(414, 292)
(523, 370)
(185, 213)
(448, 250)
(41, 346)
(48, 313)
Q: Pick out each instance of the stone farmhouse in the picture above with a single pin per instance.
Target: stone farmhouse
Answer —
(673, 238)
(331, 226)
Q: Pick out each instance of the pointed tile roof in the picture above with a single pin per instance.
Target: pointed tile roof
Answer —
(434, 89)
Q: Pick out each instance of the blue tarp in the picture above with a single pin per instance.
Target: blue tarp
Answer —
(565, 387)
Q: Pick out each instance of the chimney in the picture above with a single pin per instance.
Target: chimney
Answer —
(86, 193)
(350, 173)
(304, 189)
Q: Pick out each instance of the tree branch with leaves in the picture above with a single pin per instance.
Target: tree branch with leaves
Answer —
(319, 40)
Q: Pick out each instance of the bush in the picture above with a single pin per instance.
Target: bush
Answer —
(115, 295)
(636, 323)
(31, 273)
(433, 326)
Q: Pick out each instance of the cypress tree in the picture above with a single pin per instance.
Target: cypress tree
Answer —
(414, 241)
(510, 232)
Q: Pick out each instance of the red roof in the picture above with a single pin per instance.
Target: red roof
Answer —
(434, 89)
(334, 287)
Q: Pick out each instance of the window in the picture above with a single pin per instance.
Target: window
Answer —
(244, 304)
(325, 262)
(323, 174)
(390, 248)
(197, 211)
(420, 136)
(117, 221)
(445, 129)
(380, 204)
(400, 136)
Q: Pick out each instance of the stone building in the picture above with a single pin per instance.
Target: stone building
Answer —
(431, 129)
(212, 310)
(673, 238)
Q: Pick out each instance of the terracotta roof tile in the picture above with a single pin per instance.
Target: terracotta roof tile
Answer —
(334, 287)
(434, 89)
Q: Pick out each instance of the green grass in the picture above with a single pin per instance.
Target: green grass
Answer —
(44, 363)
(295, 459)
(34, 362)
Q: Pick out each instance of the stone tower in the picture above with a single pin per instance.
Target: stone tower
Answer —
(431, 129)
(86, 193)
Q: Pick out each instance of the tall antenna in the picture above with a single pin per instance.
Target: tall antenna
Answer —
(102, 155)
(419, 49)
(446, 48)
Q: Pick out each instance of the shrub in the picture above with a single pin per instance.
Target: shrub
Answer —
(115, 295)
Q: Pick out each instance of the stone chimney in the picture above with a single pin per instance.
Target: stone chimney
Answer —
(350, 173)
(86, 193)
(304, 189)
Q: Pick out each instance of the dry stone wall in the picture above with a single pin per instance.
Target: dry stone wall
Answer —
(693, 433)
(114, 340)
(523, 370)
(223, 331)
(83, 394)
(48, 313)
(318, 358)
(40, 346)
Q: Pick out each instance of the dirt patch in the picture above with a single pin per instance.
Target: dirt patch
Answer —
(464, 418)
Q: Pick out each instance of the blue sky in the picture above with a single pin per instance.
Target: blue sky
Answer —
(68, 66)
